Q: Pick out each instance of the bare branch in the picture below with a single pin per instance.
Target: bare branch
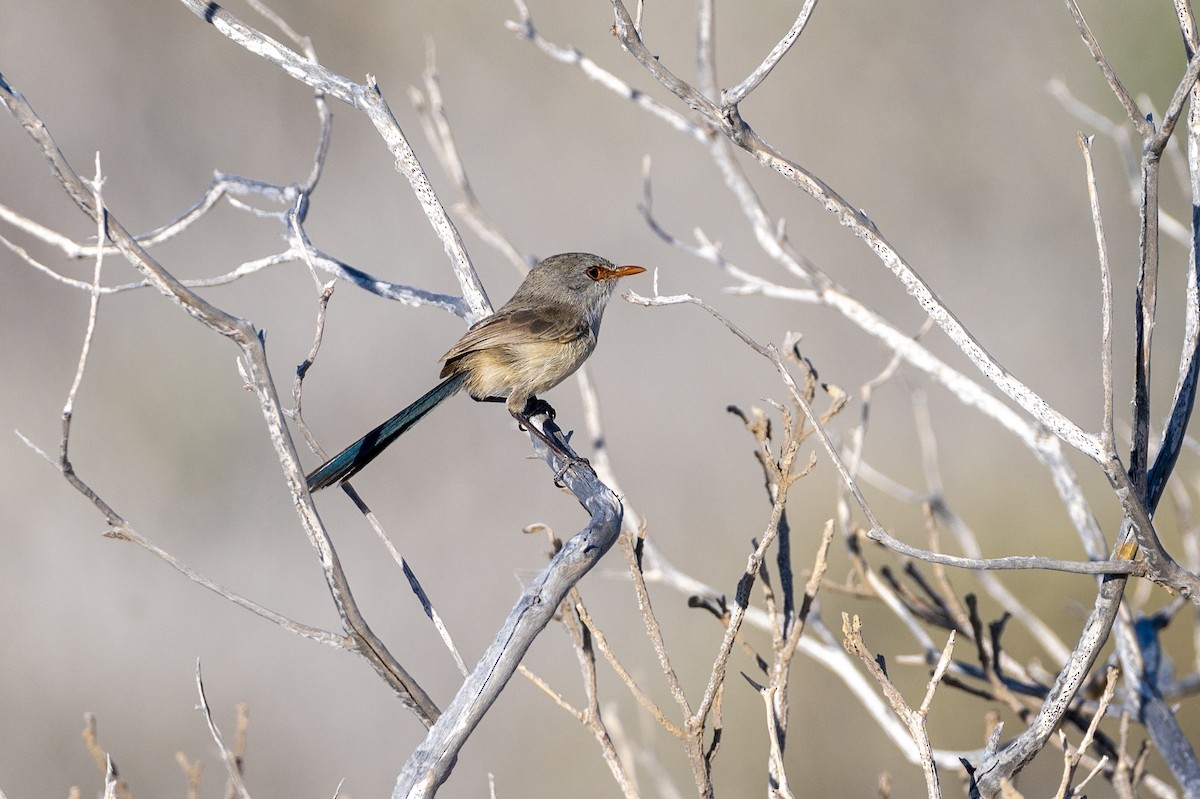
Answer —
(1123, 96)
(368, 99)
(555, 696)
(652, 627)
(593, 718)
(438, 131)
(233, 766)
(430, 763)
(914, 719)
(114, 786)
(829, 293)
(192, 771)
(1189, 359)
(732, 126)
(1071, 757)
(253, 354)
(227, 186)
(877, 531)
(998, 766)
(750, 82)
(1010, 562)
(526, 30)
(601, 642)
(1106, 299)
(123, 532)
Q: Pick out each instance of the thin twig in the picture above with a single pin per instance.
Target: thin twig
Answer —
(123, 532)
(438, 131)
(653, 630)
(1106, 296)
(593, 719)
(555, 696)
(114, 786)
(1144, 127)
(914, 719)
(751, 82)
(232, 765)
(569, 55)
(1072, 756)
(645, 701)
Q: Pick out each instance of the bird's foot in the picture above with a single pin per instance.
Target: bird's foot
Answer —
(535, 406)
(569, 462)
(569, 458)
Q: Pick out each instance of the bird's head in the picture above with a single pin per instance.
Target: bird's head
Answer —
(575, 278)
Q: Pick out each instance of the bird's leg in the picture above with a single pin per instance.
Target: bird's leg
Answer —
(533, 406)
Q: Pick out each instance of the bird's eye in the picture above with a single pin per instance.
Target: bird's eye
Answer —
(594, 273)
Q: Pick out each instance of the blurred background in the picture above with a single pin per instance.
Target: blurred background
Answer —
(933, 117)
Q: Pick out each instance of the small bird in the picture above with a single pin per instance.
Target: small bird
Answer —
(533, 343)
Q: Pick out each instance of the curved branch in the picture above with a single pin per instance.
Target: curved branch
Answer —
(431, 762)
(999, 767)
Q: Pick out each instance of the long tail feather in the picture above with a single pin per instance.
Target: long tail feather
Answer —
(349, 461)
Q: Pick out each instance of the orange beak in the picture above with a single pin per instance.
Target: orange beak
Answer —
(620, 271)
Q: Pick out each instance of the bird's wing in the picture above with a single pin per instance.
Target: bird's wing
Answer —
(548, 324)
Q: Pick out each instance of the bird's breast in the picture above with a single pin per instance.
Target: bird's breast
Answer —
(519, 371)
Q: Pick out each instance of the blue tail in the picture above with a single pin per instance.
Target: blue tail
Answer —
(349, 461)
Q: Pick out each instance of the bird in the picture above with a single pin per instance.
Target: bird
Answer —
(535, 341)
